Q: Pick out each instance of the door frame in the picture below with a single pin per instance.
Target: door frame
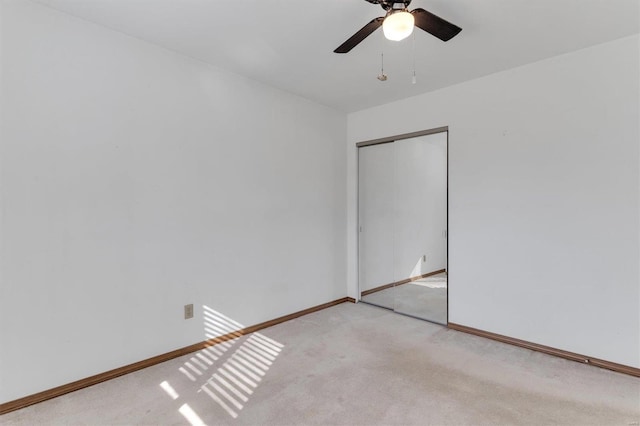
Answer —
(391, 139)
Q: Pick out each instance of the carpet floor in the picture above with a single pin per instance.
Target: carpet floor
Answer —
(353, 364)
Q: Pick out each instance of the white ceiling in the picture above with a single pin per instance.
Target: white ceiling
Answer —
(289, 43)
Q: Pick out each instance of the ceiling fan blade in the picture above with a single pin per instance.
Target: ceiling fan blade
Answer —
(363, 33)
(435, 25)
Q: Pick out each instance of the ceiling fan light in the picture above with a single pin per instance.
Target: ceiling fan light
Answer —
(398, 25)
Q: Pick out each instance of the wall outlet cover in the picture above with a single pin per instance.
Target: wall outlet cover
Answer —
(188, 311)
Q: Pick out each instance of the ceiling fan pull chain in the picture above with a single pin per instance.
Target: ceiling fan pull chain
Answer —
(382, 76)
(413, 79)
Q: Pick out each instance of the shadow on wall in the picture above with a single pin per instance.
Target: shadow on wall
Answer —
(227, 372)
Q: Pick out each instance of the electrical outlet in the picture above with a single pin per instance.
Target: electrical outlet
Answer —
(188, 311)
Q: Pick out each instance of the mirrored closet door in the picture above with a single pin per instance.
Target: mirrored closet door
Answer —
(376, 208)
(402, 209)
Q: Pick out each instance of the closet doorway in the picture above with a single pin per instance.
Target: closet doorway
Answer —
(402, 223)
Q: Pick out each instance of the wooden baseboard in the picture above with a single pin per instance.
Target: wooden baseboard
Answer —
(620, 368)
(405, 281)
(112, 374)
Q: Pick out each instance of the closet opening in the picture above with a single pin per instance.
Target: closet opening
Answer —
(403, 224)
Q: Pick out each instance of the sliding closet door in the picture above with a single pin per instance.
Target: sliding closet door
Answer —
(420, 223)
(402, 208)
(376, 218)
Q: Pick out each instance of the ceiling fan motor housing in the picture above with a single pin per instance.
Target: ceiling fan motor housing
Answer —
(388, 5)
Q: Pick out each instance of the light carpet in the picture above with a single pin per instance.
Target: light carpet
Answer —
(353, 364)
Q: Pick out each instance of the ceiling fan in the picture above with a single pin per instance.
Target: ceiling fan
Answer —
(398, 24)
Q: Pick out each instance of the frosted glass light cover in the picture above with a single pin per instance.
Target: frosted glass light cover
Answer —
(398, 25)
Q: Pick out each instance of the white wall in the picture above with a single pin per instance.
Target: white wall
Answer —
(543, 192)
(134, 181)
